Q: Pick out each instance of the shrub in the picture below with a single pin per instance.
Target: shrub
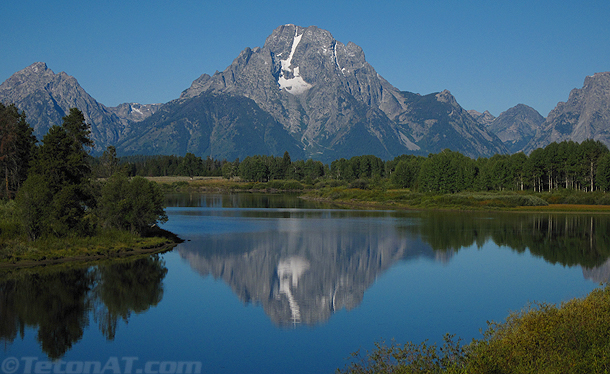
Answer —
(293, 185)
(542, 338)
(275, 185)
(130, 204)
(361, 184)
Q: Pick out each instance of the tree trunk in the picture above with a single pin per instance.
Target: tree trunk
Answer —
(591, 176)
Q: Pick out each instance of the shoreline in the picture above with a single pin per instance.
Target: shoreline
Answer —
(551, 208)
(396, 199)
(83, 259)
(53, 258)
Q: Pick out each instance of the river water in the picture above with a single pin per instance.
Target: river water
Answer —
(275, 284)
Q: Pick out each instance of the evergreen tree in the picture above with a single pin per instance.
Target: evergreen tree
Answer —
(17, 145)
(62, 162)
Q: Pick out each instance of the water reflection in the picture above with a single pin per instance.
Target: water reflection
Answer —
(303, 265)
(241, 200)
(61, 302)
(567, 239)
(302, 270)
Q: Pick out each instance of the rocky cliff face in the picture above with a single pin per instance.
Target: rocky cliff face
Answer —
(220, 125)
(437, 121)
(329, 98)
(516, 126)
(47, 97)
(586, 115)
(484, 118)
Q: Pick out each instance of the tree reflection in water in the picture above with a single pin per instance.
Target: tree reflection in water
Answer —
(567, 239)
(59, 302)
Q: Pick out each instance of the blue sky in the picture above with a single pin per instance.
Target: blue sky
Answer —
(491, 55)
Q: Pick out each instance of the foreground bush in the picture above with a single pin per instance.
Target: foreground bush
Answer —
(542, 338)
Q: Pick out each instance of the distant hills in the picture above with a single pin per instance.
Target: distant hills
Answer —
(515, 127)
(311, 95)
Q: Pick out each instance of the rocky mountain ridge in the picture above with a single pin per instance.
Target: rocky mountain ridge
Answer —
(586, 115)
(307, 93)
(46, 97)
(325, 94)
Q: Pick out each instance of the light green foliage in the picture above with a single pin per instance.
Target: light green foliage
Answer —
(571, 338)
(406, 172)
(543, 338)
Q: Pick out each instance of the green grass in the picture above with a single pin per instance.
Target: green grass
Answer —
(108, 243)
(542, 338)
(408, 199)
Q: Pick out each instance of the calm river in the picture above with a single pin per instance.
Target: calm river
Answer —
(275, 284)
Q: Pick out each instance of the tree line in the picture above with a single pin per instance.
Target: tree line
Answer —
(160, 165)
(55, 191)
(567, 165)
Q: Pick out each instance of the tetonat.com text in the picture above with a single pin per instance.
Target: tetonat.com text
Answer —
(114, 365)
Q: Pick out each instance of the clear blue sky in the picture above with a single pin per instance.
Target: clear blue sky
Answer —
(491, 55)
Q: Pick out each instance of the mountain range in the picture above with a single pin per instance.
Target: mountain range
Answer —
(306, 93)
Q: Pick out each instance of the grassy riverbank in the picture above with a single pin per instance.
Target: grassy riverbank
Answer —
(571, 338)
(17, 251)
(363, 194)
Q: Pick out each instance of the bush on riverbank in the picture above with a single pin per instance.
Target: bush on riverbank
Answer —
(542, 338)
(576, 197)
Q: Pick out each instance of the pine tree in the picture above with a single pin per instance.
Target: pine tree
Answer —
(62, 162)
(16, 149)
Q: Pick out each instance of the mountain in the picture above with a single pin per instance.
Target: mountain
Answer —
(223, 126)
(134, 112)
(516, 126)
(436, 121)
(303, 92)
(47, 97)
(586, 115)
(328, 98)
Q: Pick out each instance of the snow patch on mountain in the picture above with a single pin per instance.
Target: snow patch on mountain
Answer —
(295, 85)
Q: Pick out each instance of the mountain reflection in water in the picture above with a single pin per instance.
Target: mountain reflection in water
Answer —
(303, 270)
